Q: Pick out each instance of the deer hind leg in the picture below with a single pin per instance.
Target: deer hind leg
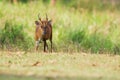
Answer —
(51, 45)
(51, 42)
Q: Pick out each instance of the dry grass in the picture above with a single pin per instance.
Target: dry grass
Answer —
(62, 65)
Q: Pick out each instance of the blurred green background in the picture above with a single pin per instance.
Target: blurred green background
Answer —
(78, 25)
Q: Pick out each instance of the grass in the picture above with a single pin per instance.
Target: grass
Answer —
(22, 66)
(81, 28)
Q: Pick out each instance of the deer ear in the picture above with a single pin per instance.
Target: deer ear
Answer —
(50, 22)
(37, 23)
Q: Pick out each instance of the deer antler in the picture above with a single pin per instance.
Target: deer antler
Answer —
(39, 17)
(46, 17)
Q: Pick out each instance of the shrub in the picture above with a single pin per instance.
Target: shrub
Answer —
(98, 44)
(13, 36)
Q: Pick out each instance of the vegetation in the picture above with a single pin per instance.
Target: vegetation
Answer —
(13, 36)
(77, 27)
(80, 28)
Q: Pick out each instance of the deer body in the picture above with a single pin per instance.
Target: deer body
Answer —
(43, 32)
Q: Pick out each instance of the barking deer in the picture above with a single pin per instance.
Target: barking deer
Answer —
(43, 32)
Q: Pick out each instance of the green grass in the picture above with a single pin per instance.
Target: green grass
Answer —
(81, 28)
(33, 66)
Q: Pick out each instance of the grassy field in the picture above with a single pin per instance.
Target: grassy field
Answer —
(86, 40)
(86, 27)
(57, 66)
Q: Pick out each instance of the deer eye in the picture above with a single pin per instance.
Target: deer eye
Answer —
(41, 26)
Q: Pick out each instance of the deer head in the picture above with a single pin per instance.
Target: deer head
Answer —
(44, 23)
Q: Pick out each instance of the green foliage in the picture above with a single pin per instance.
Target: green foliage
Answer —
(46, 1)
(89, 5)
(78, 36)
(98, 44)
(77, 25)
(13, 35)
(24, 1)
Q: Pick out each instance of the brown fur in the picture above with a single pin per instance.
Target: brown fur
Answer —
(43, 32)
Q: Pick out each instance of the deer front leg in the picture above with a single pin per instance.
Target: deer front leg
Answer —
(45, 46)
(37, 45)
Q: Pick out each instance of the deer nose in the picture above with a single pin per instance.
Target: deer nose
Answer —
(44, 30)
